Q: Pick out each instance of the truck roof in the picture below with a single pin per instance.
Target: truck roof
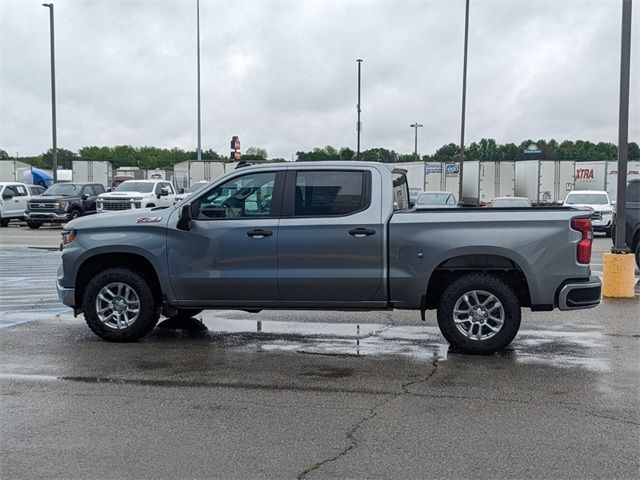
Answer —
(334, 163)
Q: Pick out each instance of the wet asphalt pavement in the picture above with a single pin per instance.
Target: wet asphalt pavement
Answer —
(309, 394)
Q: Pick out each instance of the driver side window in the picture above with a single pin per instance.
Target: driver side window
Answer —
(249, 196)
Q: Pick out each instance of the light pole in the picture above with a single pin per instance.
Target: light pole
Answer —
(623, 129)
(53, 95)
(464, 96)
(199, 152)
(359, 124)
(416, 126)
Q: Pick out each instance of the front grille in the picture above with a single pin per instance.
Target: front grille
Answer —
(43, 206)
(119, 204)
(116, 205)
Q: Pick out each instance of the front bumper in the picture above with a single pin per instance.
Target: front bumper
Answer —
(576, 295)
(67, 296)
(46, 216)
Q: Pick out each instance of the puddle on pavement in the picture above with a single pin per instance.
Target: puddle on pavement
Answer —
(584, 349)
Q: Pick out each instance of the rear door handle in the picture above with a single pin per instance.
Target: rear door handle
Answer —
(259, 233)
(361, 232)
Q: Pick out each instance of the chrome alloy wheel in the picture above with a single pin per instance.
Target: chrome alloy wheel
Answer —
(478, 315)
(117, 305)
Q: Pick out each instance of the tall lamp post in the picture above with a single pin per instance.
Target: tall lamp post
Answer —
(415, 127)
(199, 152)
(359, 124)
(464, 96)
(623, 129)
(53, 95)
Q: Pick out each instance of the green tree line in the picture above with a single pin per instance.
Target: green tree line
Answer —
(486, 149)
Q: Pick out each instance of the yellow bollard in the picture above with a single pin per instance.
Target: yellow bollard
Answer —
(618, 275)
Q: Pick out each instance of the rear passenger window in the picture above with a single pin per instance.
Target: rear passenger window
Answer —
(327, 193)
(22, 191)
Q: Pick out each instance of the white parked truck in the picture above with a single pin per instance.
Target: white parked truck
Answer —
(134, 194)
(483, 181)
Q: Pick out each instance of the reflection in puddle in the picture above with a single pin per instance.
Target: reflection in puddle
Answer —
(545, 347)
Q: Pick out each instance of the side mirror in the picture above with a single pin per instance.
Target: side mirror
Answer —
(181, 191)
(164, 192)
(184, 222)
(85, 196)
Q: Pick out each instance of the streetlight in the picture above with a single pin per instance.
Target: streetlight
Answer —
(623, 129)
(464, 95)
(359, 124)
(199, 152)
(415, 126)
(53, 95)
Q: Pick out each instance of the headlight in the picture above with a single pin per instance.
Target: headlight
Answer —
(63, 205)
(68, 237)
(607, 212)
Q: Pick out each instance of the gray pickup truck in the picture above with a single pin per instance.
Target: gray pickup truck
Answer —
(331, 236)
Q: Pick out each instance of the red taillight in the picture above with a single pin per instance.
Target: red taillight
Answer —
(583, 225)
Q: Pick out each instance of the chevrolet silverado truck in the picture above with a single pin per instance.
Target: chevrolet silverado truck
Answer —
(132, 194)
(62, 202)
(332, 236)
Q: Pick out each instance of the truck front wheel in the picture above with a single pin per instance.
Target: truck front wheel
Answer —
(119, 305)
(479, 314)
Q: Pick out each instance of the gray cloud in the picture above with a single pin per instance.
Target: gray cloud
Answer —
(282, 75)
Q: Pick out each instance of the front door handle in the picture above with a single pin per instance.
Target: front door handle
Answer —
(361, 232)
(259, 233)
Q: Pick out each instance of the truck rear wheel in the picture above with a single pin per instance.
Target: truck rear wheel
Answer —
(4, 222)
(119, 305)
(479, 314)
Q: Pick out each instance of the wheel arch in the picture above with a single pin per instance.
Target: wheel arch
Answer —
(497, 263)
(99, 262)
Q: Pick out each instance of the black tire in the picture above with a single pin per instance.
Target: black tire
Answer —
(638, 255)
(74, 214)
(494, 286)
(4, 222)
(608, 231)
(149, 311)
(34, 225)
(185, 313)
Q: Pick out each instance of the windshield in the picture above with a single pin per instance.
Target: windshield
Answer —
(133, 186)
(63, 190)
(587, 199)
(197, 186)
(433, 199)
(511, 202)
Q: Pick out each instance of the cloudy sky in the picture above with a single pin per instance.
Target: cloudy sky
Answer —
(282, 74)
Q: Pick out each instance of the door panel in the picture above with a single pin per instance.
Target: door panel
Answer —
(326, 254)
(229, 255)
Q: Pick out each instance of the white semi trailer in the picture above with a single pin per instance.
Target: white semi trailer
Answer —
(544, 182)
(603, 175)
(14, 171)
(94, 171)
(189, 172)
(483, 181)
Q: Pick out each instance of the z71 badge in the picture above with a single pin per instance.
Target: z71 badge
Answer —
(148, 219)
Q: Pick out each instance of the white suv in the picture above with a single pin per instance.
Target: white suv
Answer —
(598, 201)
(13, 201)
(137, 194)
